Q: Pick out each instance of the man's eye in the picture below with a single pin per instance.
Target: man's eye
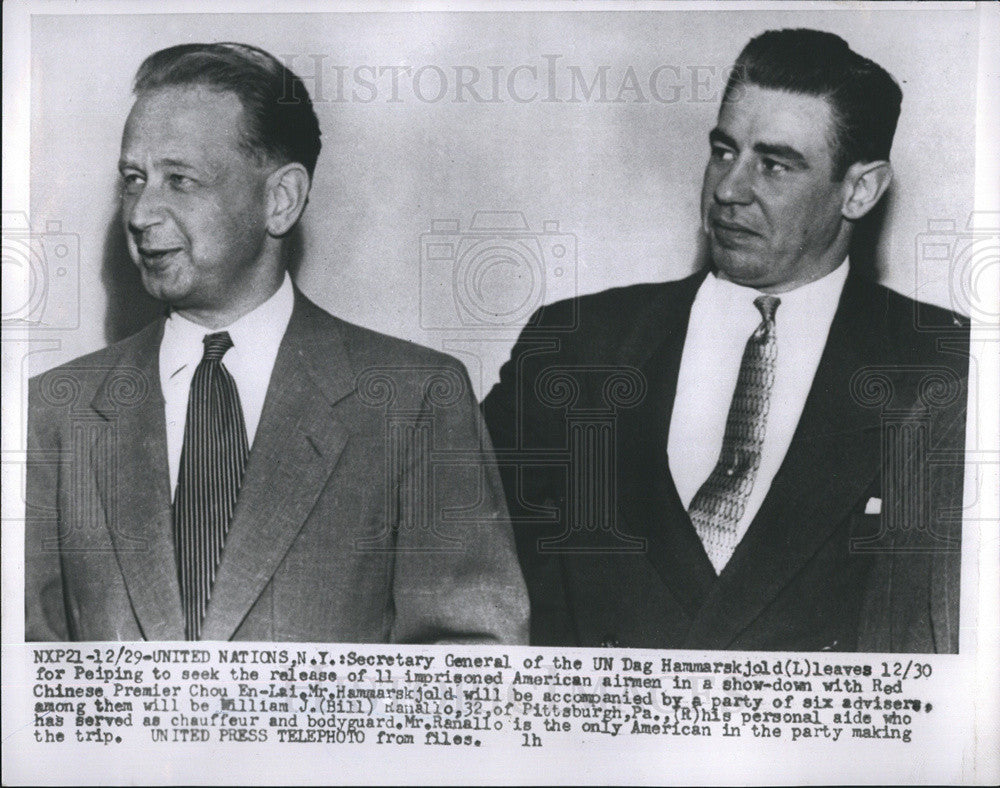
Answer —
(722, 154)
(774, 166)
(179, 181)
(132, 183)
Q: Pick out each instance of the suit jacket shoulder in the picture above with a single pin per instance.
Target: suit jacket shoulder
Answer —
(78, 382)
(921, 330)
(615, 325)
(108, 356)
(591, 316)
(367, 348)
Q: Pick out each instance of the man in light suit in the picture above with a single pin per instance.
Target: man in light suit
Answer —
(766, 454)
(251, 467)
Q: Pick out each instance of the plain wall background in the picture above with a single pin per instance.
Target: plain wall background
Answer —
(623, 178)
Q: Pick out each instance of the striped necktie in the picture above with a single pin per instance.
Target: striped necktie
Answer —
(213, 459)
(719, 504)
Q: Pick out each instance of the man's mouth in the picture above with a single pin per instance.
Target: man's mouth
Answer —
(157, 256)
(731, 228)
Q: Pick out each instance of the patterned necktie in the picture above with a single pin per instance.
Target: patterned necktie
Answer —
(719, 504)
(213, 459)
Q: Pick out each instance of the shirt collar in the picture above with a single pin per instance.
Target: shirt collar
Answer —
(820, 292)
(261, 329)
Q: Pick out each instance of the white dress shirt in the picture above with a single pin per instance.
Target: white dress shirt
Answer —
(723, 317)
(256, 337)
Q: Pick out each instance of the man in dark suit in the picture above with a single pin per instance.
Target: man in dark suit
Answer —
(766, 454)
(251, 467)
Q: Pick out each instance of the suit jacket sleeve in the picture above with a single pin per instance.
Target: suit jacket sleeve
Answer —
(456, 576)
(516, 421)
(45, 610)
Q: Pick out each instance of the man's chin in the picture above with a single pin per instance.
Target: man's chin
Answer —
(742, 269)
(163, 287)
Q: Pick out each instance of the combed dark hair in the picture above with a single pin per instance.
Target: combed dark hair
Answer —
(863, 97)
(279, 121)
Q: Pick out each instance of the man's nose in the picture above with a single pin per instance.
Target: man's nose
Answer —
(146, 209)
(736, 186)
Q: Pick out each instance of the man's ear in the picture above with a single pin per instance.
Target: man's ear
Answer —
(287, 192)
(864, 185)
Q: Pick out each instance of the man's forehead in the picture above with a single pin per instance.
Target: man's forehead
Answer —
(184, 115)
(756, 114)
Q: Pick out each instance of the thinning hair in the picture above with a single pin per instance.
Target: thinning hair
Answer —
(279, 123)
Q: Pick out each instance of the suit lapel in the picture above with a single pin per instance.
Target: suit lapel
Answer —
(297, 445)
(649, 496)
(834, 455)
(134, 485)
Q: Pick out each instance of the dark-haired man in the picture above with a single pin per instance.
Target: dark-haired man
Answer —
(250, 467)
(770, 484)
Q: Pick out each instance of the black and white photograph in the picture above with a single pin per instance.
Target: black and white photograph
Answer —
(517, 386)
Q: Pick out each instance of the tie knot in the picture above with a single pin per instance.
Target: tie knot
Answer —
(216, 345)
(767, 305)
